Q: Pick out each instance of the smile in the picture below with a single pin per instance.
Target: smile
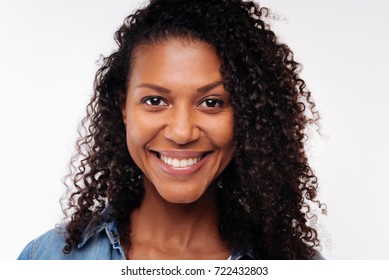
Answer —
(179, 163)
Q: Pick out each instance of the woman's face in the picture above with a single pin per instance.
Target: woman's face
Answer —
(178, 117)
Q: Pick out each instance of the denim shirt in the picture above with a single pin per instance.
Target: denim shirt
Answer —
(98, 242)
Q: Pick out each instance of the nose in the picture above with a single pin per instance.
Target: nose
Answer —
(181, 127)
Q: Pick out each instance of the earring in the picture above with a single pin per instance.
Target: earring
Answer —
(138, 178)
(220, 183)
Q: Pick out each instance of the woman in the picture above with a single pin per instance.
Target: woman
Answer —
(195, 144)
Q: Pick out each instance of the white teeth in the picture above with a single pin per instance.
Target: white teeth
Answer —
(176, 163)
(183, 163)
(179, 163)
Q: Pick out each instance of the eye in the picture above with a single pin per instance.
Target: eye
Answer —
(211, 103)
(154, 101)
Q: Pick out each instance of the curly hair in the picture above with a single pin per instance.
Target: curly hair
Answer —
(268, 187)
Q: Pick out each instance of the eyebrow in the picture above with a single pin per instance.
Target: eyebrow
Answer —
(154, 87)
(202, 89)
(209, 87)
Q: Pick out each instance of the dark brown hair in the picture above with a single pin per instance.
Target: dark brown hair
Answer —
(267, 187)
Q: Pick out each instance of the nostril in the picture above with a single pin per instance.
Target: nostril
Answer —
(181, 133)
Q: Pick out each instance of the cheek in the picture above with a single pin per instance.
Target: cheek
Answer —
(136, 132)
(141, 128)
(222, 131)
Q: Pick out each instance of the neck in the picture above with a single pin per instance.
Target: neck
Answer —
(176, 228)
(178, 221)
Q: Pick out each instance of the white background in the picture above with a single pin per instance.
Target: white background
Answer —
(48, 55)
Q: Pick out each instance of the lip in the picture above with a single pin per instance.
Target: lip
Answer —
(181, 171)
(182, 154)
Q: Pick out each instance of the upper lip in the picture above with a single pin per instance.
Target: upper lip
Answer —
(181, 154)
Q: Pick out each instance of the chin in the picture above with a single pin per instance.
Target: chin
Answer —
(184, 196)
(181, 198)
(179, 191)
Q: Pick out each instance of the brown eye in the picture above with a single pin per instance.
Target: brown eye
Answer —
(154, 101)
(212, 102)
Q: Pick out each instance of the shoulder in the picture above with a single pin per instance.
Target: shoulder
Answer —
(47, 246)
(318, 256)
(102, 244)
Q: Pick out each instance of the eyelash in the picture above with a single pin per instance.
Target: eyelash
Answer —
(216, 102)
(219, 102)
(148, 101)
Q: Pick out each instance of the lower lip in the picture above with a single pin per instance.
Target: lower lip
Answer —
(181, 171)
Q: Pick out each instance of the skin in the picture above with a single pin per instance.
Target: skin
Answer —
(177, 109)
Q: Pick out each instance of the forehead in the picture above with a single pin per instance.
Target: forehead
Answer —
(175, 49)
(176, 59)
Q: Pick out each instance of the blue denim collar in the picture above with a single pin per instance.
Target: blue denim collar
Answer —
(246, 254)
